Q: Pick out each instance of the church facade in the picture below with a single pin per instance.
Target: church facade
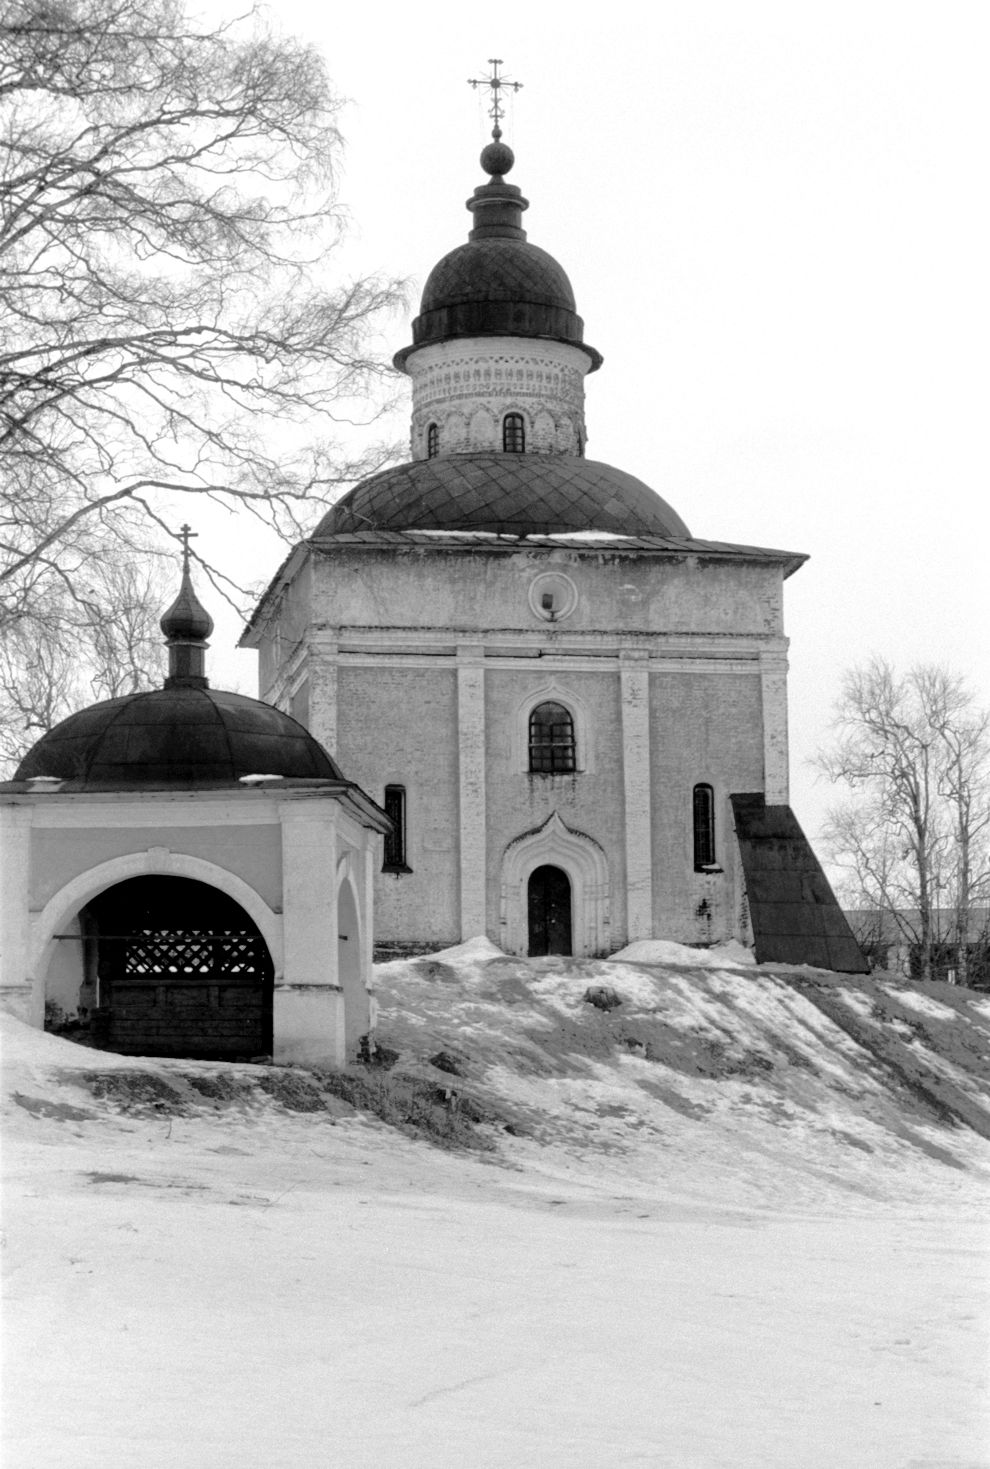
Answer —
(523, 655)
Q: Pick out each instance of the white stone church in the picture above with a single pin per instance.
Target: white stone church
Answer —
(504, 691)
(550, 685)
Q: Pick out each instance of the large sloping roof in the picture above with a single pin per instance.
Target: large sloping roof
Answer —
(513, 494)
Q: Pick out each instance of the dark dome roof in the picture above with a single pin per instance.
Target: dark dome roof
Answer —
(498, 287)
(514, 494)
(498, 284)
(178, 736)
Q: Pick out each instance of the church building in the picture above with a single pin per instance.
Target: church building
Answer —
(573, 710)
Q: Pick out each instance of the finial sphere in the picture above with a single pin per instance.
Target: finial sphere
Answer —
(497, 158)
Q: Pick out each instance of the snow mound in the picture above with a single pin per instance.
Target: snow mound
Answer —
(665, 951)
(470, 950)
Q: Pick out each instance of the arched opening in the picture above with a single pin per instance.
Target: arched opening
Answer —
(164, 966)
(432, 441)
(514, 434)
(703, 821)
(549, 909)
(357, 1014)
(551, 740)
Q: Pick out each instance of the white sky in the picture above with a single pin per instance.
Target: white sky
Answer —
(775, 220)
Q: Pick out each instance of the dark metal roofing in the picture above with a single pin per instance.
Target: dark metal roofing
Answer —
(510, 494)
(177, 736)
(498, 287)
(796, 919)
(497, 284)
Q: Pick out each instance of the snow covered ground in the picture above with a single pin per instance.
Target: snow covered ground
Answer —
(738, 1221)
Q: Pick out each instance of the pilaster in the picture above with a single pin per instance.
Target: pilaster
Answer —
(471, 775)
(773, 687)
(634, 682)
(308, 1009)
(322, 672)
(15, 871)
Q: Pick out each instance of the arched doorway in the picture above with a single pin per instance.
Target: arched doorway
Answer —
(174, 967)
(549, 910)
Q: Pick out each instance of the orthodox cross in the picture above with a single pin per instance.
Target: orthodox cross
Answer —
(496, 83)
(186, 534)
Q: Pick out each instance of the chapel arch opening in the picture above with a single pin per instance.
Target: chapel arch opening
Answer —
(163, 966)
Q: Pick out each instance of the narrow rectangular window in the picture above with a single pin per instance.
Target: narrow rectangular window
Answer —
(395, 840)
(704, 827)
(514, 434)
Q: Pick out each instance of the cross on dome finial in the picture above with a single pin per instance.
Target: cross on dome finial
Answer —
(185, 535)
(186, 626)
(496, 83)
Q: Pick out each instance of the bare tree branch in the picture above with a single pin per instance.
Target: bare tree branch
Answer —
(170, 320)
(913, 839)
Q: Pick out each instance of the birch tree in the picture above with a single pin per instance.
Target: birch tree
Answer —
(913, 752)
(172, 321)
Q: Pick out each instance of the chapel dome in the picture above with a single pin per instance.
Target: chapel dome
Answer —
(184, 734)
(177, 736)
(508, 494)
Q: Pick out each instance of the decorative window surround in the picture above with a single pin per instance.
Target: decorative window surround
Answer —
(554, 691)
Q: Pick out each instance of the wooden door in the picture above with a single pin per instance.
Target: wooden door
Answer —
(549, 900)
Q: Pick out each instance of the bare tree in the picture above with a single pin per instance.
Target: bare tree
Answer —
(963, 734)
(914, 752)
(169, 324)
(102, 641)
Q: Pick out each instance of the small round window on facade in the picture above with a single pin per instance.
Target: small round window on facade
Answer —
(552, 596)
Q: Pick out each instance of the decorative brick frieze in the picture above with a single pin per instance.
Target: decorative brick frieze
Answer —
(467, 386)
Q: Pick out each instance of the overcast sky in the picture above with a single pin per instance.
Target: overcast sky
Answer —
(775, 220)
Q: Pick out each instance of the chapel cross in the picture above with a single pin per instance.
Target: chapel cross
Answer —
(496, 83)
(186, 534)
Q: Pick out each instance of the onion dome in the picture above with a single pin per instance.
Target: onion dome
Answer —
(184, 734)
(498, 284)
(186, 626)
(507, 494)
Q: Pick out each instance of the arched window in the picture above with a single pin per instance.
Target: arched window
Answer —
(551, 740)
(704, 827)
(514, 434)
(432, 441)
(395, 840)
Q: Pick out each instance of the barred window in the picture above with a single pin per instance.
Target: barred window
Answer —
(514, 434)
(704, 827)
(551, 740)
(432, 441)
(395, 840)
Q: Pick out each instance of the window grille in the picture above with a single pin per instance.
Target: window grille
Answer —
(395, 841)
(551, 740)
(432, 441)
(514, 434)
(704, 827)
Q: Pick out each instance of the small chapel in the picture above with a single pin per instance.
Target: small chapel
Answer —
(186, 872)
(573, 711)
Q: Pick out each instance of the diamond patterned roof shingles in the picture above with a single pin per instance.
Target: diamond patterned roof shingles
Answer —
(511, 493)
